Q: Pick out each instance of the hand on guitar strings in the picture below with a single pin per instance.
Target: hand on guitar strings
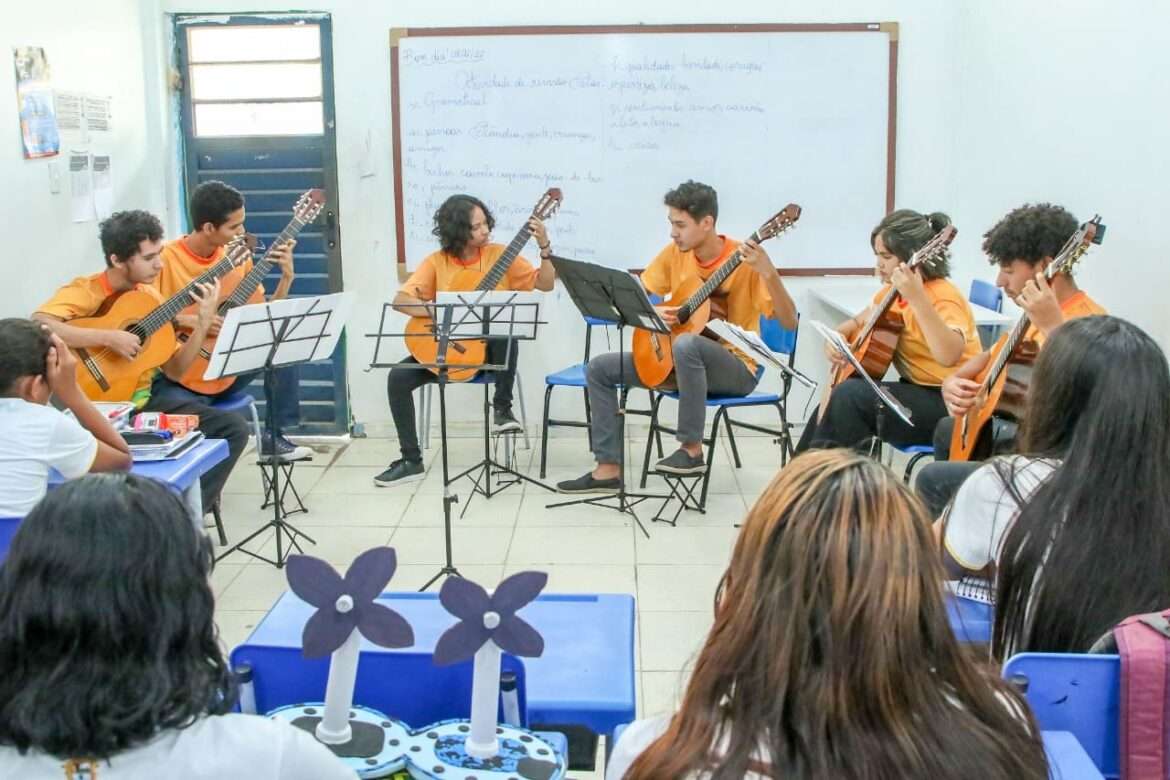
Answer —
(124, 343)
(206, 299)
(908, 283)
(1040, 303)
(669, 314)
(959, 390)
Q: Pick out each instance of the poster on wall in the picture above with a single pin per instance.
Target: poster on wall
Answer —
(34, 95)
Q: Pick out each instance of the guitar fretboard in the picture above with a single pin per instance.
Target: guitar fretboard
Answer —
(167, 311)
(713, 281)
(249, 283)
(500, 267)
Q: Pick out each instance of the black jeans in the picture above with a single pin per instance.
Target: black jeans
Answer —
(286, 380)
(851, 418)
(402, 381)
(937, 483)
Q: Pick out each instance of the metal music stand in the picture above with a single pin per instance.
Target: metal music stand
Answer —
(613, 296)
(264, 336)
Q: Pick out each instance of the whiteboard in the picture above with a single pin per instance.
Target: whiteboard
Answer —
(615, 119)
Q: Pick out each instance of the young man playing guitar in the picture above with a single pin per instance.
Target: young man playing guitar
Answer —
(217, 217)
(463, 224)
(1022, 245)
(937, 332)
(132, 243)
(702, 365)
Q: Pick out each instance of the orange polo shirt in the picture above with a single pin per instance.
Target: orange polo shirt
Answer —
(1078, 305)
(743, 294)
(82, 297)
(912, 356)
(181, 266)
(438, 270)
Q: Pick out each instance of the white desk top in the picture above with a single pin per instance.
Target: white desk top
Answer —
(850, 299)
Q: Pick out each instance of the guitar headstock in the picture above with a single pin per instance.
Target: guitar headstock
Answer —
(781, 221)
(549, 204)
(934, 249)
(240, 248)
(309, 205)
(1092, 232)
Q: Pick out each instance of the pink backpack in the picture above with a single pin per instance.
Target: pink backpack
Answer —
(1143, 642)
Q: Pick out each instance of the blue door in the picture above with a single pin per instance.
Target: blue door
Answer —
(257, 112)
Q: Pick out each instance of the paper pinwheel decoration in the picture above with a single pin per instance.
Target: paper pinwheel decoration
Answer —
(488, 624)
(346, 612)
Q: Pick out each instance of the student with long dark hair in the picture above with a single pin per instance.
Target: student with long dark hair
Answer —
(1079, 525)
(831, 655)
(110, 666)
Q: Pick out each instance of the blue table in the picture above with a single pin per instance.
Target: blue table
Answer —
(585, 677)
(1067, 760)
(971, 621)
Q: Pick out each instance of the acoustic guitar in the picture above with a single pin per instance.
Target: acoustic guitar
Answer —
(104, 375)
(307, 207)
(1003, 385)
(875, 343)
(653, 358)
(420, 331)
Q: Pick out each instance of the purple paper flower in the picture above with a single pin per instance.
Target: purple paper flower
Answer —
(345, 604)
(483, 617)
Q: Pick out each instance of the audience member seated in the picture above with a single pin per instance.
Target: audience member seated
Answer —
(831, 655)
(1078, 528)
(110, 666)
(35, 437)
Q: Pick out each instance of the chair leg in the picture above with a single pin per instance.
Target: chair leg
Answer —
(544, 431)
(523, 413)
(257, 432)
(731, 439)
(657, 433)
(653, 427)
(719, 415)
(215, 512)
(588, 419)
(910, 466)
(424, 417)
(786, 449)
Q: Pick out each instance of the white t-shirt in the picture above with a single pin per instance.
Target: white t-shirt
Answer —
(984, 509)
(222, 747)
(33, 439)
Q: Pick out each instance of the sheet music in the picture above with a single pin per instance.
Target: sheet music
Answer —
(754, 346)
(838, 341)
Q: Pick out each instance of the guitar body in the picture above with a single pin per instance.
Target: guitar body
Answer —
(193, 377)
(420, 338)
(104, 375)
(875, 352)
(1005, 398)
(653, 356)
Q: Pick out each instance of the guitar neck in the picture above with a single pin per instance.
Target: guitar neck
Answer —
(168, 310)
(500, 267)
(882, 307)
(252, 280)
(713, 281)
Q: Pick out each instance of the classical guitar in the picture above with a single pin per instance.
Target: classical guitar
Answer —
(1003, 385)
(420, 331)
(103, 374)
(307, 207)
(653, 358)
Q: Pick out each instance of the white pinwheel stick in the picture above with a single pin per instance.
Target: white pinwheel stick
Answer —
(334, 728)
(485, 694)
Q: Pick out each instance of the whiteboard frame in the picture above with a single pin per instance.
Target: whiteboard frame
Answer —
(398, 33)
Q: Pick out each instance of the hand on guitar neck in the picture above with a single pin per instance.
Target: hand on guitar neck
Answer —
(206, 300)
(1039, 301)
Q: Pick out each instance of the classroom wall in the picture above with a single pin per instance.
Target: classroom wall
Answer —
(98, 48)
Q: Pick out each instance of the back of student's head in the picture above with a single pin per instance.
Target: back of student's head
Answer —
(831, 654)
(106, 621)
(1098, 529)
(1029, 233)
(23, 347)
(213, 201)
(905, 231)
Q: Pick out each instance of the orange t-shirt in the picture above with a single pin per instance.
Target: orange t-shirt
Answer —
(912, 356)
(181, 266)
(1078, 305)
(743, 294)
(82, 297)
(438, 270)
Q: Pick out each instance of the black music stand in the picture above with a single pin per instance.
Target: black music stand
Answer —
(267, 335)
(613, 296)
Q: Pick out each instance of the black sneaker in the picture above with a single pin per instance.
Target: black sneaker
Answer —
(587, 484)
(504, 422)
(285, 449)
(400, 472)
(682, 463)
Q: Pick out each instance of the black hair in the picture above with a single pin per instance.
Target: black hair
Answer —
(107, 631)
(905, 231)
(1029, 233)
(214, 201)
(123, 231)
(23, 347)
(453, 222)
(697, 199)
(1089, 547)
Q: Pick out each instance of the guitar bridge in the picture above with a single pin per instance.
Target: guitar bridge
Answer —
(92, 367)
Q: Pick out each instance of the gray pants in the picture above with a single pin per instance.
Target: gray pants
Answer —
(701, 367)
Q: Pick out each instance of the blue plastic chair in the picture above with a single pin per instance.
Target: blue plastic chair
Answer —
(988, 296)
(1077, 693)
(571, 376)
(8, 526)
(779, 340)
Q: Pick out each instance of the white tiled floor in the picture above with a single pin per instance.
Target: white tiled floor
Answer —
(673, 574)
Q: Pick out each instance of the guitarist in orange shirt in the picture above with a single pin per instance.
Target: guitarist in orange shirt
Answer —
(217, 216)
(1022, 245)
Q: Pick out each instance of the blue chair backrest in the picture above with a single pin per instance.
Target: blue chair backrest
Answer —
(778, 338)
(1077, 693)
(8, 526)
(404, 685)
(986, 295)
